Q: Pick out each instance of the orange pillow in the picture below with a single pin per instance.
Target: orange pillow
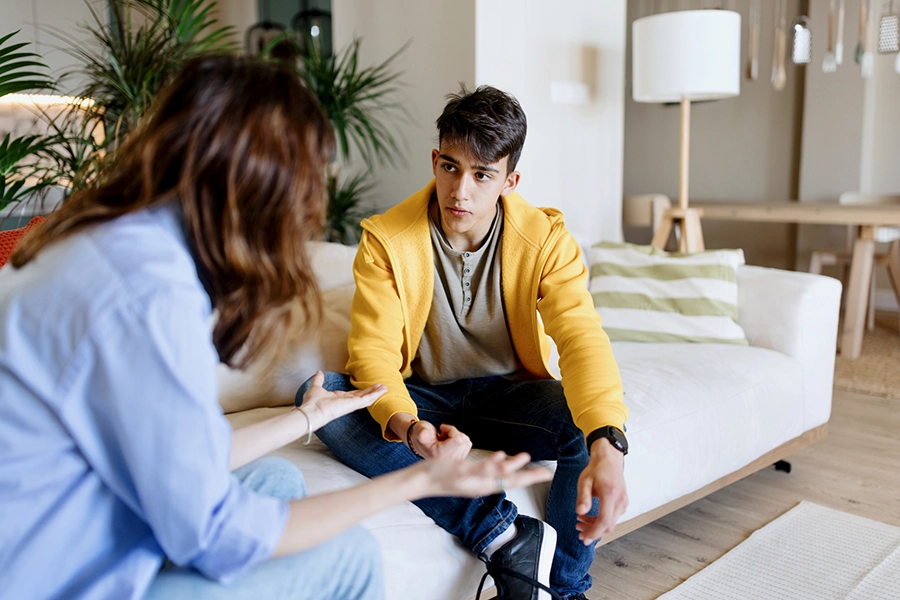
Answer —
(9, 239)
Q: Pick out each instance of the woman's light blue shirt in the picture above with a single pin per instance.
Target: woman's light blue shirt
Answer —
(113, 448)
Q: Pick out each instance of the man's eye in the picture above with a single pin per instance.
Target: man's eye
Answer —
(482, 176)
(449, 168)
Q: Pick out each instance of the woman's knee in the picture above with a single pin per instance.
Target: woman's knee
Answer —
(273, 476)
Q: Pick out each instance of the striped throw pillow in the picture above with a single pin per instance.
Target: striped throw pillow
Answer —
(644, 294)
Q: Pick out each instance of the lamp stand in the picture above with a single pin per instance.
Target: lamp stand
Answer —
(686, 220)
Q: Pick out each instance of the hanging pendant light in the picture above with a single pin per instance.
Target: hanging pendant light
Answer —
(313, 26)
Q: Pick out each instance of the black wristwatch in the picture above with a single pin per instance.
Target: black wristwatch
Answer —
(613, 434)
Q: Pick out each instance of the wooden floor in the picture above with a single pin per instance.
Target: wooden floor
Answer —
(855, 469)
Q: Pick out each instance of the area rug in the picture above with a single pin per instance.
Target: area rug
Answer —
(809, 553)
(877, 370)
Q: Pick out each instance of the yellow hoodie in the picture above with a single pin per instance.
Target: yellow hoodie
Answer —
(542, 271)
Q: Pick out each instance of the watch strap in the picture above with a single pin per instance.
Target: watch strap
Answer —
(615, 436)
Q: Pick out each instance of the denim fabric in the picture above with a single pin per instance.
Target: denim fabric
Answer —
(497, 414)
(346, 567)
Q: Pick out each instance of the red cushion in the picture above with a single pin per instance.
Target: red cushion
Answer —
(9, 239)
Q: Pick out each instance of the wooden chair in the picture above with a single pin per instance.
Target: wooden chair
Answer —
(842, 258)
(644, 210)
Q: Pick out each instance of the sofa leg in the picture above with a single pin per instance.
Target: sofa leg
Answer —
(783, 465)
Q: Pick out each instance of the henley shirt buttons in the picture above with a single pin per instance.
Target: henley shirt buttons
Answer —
(466, 271)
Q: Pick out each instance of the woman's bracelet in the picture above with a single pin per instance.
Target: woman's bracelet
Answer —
(409, 438)
(309, 430)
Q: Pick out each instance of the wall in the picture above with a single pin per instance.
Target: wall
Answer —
(573, 155)
(440, 56)
(850, 130)
(40, 20)
(743, 148)
(547, 57)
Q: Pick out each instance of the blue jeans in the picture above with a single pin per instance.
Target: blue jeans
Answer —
(346, 567)
(497, 414)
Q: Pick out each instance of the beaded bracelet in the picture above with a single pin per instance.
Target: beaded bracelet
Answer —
(409, 438)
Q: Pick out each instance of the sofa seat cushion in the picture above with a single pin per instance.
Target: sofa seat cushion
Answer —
(442, 568)
(697, 416)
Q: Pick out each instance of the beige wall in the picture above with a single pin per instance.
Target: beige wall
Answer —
(743, 148)
(573, 155)
(38, 20)
(851, 128)
(441, 54)
(572, 158)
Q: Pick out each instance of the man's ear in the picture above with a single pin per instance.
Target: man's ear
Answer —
(512, 181)
(435, 153)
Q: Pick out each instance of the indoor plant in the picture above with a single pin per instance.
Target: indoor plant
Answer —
(21, 175)
(361, 103)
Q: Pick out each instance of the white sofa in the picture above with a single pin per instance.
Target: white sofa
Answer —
(701, 415)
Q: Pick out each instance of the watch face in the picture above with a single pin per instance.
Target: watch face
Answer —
(618, 440)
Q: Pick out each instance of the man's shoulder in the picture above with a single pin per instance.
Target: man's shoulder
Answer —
(534, 222)
(405, 217)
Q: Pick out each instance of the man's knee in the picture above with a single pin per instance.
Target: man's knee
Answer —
(334, 382)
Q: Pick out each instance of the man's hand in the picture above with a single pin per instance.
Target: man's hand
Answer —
(603, 479)
(449, 443)
(428, 442)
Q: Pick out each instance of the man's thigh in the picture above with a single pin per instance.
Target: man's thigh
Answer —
(497, 414)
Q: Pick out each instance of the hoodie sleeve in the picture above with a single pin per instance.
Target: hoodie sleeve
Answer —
(377, 340)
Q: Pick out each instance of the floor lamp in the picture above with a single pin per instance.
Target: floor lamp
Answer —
(685, 56)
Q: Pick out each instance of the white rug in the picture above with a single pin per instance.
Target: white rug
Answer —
(808, 553)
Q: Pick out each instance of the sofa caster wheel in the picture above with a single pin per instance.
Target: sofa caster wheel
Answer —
(783, 465)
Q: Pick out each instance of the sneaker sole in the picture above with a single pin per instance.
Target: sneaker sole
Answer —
(548, 547)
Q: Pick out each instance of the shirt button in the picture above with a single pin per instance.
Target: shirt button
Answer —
(467, 255)
(466, 270)
(467, 284)
(468, 298)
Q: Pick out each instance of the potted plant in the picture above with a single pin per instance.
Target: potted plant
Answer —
(361, 103)
(124, 64)
(21, 174)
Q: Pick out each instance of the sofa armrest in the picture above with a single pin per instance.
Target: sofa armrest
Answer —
(795, 314)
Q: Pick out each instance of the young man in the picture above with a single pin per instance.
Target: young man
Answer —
(450, 283)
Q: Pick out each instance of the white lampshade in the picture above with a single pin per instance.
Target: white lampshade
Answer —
(693, 54)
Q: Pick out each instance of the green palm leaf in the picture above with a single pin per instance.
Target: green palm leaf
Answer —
(358, 101)
(17, 69)
(20, 173)
(344, 210)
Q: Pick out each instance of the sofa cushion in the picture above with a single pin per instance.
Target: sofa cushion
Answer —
(645, 294)
(698, 415)
(276, 384)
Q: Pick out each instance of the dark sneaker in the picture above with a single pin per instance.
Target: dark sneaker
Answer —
(521, 567)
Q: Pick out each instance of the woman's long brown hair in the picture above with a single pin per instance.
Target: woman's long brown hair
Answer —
(242, 147)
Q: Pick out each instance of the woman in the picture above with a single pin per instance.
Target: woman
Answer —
(114, 454)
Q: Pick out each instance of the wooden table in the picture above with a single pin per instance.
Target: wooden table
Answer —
(819, 213)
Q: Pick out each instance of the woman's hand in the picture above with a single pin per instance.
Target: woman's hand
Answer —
(322, 406)
(472, 479)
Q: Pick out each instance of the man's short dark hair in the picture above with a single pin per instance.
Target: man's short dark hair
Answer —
(489, 123)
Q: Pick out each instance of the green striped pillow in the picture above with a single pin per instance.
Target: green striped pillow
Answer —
(644, 294)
